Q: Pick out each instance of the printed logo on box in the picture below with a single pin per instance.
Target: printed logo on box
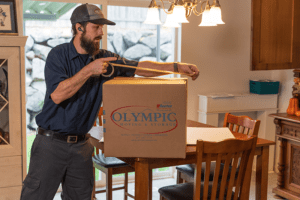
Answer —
(163, 106)
(144, 119)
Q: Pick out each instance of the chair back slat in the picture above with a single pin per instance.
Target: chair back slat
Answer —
(216, 177)
(234, 166)
(237, 127)
(230, 127)
(242, 129)
(241, 174)
(247, 131)
(197, 176)
(100, 113)
(225, 175)
(230, 151)
(244, 123)
(245, 191)
(206, 176)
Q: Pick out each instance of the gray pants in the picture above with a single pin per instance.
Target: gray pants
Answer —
(55, 161)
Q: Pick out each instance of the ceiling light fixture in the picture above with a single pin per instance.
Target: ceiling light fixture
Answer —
(180, 10)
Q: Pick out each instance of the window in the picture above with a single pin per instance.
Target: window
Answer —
(132, 39)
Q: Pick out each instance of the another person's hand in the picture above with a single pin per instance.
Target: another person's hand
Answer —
(189, 69)
(99, 66)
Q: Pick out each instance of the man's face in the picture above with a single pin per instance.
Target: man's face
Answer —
(90, 38)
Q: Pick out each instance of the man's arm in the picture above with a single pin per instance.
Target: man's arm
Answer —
(182, 68)
(67, 88)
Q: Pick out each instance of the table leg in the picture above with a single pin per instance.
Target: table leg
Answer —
(141, 179)
(150, 184)
(262, 169)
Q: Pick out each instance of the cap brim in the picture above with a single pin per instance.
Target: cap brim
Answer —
(102, 21)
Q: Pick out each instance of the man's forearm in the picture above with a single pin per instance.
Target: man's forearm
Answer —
(185, 68)
(67, 88)
(153, 65)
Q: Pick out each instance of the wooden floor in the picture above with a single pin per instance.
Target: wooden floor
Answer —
(118, 195)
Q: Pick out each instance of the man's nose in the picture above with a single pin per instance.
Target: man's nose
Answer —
(100, 31)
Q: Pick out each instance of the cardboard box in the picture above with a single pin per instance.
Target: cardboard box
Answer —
(145, 117)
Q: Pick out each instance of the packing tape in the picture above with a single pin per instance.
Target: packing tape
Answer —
(145, 69)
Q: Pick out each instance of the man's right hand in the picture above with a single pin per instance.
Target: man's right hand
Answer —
(99, 66)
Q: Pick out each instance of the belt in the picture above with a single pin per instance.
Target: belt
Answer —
(66, 138)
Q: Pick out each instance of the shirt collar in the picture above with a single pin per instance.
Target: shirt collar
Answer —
(72, 50)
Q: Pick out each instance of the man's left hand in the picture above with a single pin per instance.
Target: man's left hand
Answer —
(189, 69)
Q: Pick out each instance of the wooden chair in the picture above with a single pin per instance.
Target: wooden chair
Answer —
(228, 152)
(240, 124)
(110, 166)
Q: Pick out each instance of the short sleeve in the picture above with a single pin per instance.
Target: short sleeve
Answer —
(122, 71)
(55, 71)
(126, 72)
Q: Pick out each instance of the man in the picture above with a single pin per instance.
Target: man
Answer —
(61, 151)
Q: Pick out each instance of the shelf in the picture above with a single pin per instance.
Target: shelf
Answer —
(13, 41)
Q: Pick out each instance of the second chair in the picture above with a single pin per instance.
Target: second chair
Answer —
(110, 166)
(240, 124)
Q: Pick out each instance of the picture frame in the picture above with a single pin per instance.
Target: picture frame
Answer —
(8, 22)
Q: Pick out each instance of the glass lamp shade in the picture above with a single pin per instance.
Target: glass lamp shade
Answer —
(206, 19)
(171, 21)
(152, 16)
(216, 15)
(179, 14)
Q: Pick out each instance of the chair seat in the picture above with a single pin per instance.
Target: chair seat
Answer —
(108, 162)
(186, 169)
(190, 170)
(184, 191)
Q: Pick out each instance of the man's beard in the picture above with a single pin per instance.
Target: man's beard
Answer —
(91, 47)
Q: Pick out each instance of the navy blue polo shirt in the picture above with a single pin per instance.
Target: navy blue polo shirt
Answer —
(77, 114)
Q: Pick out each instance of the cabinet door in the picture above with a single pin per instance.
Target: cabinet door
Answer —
(10, 102)
(292, 167)
(275, 34)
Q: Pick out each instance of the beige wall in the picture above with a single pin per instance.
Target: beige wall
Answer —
(222, 55)
(286, 79)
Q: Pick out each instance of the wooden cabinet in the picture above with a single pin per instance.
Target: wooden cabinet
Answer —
(12, 116)
(275, 34)
(288, 134)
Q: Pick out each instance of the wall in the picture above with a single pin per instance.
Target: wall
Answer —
(286, 79)
(222, 55)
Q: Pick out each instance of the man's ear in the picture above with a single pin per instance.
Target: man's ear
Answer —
(79, 27)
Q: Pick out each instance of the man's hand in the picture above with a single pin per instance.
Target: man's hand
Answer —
(189, 69)
(99, 66)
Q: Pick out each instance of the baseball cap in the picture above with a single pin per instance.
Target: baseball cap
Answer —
(89, 13)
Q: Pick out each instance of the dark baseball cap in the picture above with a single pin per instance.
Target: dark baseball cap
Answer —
(89, 13)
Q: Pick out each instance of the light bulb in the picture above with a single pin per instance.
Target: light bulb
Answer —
(152, 16)
(206, 18)
(216, 15)
(171, 21)
(179, 14)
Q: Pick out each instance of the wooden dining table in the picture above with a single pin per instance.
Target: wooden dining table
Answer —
(143, 166)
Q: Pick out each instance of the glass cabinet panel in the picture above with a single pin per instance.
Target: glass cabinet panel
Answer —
(4, 108)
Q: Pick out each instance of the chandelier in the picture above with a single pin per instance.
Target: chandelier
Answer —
(180, 10)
